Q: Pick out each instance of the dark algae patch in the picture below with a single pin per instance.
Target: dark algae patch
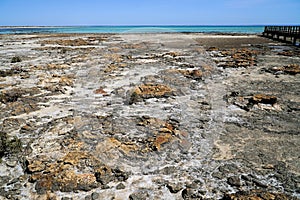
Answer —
(9, 145)
(16, 59)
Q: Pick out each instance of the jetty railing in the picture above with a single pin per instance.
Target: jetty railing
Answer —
(286, 33)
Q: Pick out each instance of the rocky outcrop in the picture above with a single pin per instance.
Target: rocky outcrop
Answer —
(74, 42)
(150, 91)
(234, 58)
(254, 101)
(148, 116)
(291, 69)
(71, 174)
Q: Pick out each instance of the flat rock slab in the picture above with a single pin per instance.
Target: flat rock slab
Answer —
(148, 116)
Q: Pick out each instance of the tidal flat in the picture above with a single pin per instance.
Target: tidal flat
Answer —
(149, 116)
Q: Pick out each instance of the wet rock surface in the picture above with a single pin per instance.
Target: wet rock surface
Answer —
(148, 116)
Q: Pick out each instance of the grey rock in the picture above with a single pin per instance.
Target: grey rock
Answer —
(234, 181)
(88, 197)
(11, 162)
(66, 198)
(174, 187)
(139, 195)
(120, 186)
(95, 196)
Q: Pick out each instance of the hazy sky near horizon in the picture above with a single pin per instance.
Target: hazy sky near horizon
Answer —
(148, 12)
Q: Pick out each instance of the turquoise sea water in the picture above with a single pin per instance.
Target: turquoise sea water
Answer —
(133, 29)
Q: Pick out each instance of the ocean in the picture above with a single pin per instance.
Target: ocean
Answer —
(133, 29)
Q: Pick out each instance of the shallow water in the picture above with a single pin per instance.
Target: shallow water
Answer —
(133, 29)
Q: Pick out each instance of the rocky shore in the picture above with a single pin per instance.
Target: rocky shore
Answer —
(148, 116)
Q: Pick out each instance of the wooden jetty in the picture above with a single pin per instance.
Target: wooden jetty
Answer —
(285, 33)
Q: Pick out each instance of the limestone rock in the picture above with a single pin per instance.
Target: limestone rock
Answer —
(139, 195)
(263, 98)
(120, 186)
(75, 42)
(16, 94)
(174, 187)
(10, 124)
(67, 131)
(105, 174)
(234, 181)
(101, 91)
(291, 69)
(160, 140)
(150, 91)
(195, 74)
(36, 166)
(235, 58)
(63, 174)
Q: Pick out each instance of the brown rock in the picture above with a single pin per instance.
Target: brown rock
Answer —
(126, 147)
(100, 91)
(12, 123)
(66, 181)
(66, 81)
(73, 158)
(161, 139)
(150, 121)
(43, 185)
(86, 182)
(173, 54)
(105, 174)
(63, 174)
(213, 49)
(150, 91)
(36, 166)
(17, 93)
(194, 74)
(292, 69)
(114, 58)
(11, 95)
(56, 66)
(19, 107)
(263, 98)
(238, 58)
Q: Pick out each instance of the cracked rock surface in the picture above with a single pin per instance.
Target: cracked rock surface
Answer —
(148, 116)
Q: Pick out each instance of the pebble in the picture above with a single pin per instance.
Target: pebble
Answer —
(95, 196)
(11, 163)
(234, 181)
(120, 186)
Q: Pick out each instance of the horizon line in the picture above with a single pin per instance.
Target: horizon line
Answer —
(146, 25)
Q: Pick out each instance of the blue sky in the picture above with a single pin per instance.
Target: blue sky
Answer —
(150, 12)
